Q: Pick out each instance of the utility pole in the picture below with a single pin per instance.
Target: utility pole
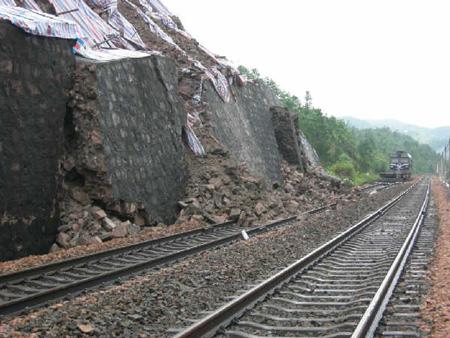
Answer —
(447, 168)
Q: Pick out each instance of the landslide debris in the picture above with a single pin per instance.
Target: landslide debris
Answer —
(218, 189)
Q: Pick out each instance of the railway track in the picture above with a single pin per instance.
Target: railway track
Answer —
(339, 290)
(36, 286)
(379, 186)
(402, 316)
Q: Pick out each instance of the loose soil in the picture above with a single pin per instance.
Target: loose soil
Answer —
(436, 307)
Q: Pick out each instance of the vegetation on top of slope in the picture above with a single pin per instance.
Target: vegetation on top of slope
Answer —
(358, 155)
(435, 137)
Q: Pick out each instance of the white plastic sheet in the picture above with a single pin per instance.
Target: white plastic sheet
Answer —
(159, 7)
(7, 3)
(30, 4)
(220, 84)
(117, 20)
(39, 23)
(91, 27)
(106, 54)
(194, 143)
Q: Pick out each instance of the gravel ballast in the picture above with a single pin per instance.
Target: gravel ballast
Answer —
(435, 309)
(152, 303)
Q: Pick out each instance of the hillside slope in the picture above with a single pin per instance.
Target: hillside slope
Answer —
(435, 137)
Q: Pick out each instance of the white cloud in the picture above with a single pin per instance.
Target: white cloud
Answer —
(369, 59)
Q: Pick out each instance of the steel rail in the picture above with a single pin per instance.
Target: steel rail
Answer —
(101, 254)
(131, 247)
(77, 286)
(210, 324)
(370, 319)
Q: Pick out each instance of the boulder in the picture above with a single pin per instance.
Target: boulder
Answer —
(108, 224)
(98, 213)
(133, 229)
(292, 206)
(63, 240)
(121, 230)
(259, 209)
(64, 228)
(79, 195)
(235, 213)
(86, 239)
(76, 227)
(139, 220)
(54, 248)
(216, 182)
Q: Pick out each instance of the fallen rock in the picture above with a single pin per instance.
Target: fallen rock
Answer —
(63, 240)
(199, 218)
(86, 328)
(86, 239)
(106, 236)
(54, 248)
(235, 213)
(292, 206)
(76, 227)
(96, 240)
(259, 208)
(64, 228)
(242, 218)
(216, 182)
(182, 204)
(129, 208)
(108, 224)
(214, 219)
(96, 226)
(121, 230)
(79, 195)
(98, 213)
(139, 220)
(133, 229)
(288, 188)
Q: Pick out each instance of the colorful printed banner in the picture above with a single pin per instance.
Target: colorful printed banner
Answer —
(7, 3)
(38, 23)
(116, 20)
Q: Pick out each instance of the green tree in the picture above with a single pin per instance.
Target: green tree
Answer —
(357, 155)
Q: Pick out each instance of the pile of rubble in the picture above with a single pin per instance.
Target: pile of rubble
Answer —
(222, 190)
(89, 224)
(218, 189)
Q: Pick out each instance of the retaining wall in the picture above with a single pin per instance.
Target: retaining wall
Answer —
(35, 73)
(128, 134)
(244, 125)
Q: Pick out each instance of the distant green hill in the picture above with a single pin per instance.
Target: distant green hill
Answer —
(435, 137)
(357, 155)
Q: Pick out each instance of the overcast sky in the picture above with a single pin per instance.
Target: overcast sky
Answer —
(368, 59)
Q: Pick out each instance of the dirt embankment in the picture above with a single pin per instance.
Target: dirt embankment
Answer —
(436, 307)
